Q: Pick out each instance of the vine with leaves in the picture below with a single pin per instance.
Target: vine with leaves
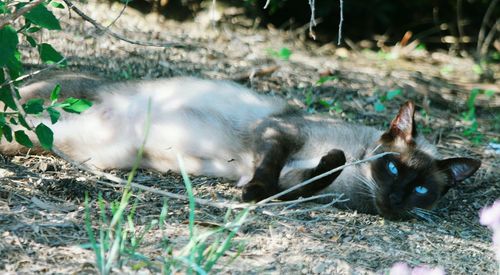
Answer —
(19, 24)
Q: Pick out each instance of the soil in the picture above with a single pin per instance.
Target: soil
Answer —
(42, 197)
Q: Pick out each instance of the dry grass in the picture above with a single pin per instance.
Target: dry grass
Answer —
(41, 197)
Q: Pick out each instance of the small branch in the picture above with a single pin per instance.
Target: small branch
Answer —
(301, 200)
(119, 36)
(51, 66)
(482, 31)
(489, 38)
(8, 19)
(312, 21)
(119, 15)
(322, 176)
(341, 2)
(20, 108)
(121, 183)
(459, 24)
(267, 4)
(256, 72)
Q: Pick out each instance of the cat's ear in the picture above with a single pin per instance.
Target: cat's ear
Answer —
(402, 125)
(459, 168)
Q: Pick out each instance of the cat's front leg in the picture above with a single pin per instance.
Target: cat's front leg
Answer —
(333, 159)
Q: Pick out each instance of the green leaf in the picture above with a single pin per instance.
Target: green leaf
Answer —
(45, 136)
(23, 122)
(322, 80)
(54, 95)
(33, 106)
(23, 139)
(25, 27)
(12, 121)
(15, 65)
(49, 55)
(75, 105)
(57, 5)
(33, 29)
(7, 133)
(379, 106)
(8, 44)
(42, 17)
(31, 40)
(283, 53)
(54, 114)
(6, 97)
(3, 8)
(2, 120)
(393, 93)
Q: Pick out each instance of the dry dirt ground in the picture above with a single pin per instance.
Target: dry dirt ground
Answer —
(42, 197)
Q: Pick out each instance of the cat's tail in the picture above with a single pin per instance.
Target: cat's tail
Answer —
(78, 85)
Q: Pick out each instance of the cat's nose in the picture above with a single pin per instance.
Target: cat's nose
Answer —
(395, 200)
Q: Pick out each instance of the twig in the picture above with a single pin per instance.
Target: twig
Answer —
(489, 38)
(341, 2)
(255, 72)
(312, 21)
(121, 183)
(9, 18)
(482, 31)
(51, 66)
(323, 175)
(323, 206)
(301, 200)
(119, 36)
(459, 25)
(13, 93)
(119, 15)
(267, 4)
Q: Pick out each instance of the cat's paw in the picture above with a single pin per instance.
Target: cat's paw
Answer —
(333, 159)
(254, 191)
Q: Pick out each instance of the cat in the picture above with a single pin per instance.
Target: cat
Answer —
(225, 130)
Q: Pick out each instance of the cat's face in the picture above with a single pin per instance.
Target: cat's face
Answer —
(412, 178)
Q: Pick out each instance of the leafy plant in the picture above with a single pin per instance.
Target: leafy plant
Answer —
(324, 79)
(424, 127)
(472, 130)
(201, 254)
(36, 16)
(117, 240)
(283, 53)
(312, 102)
(379, 105)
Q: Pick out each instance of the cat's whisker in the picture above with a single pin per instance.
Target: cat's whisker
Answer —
(369, 184)
(365, 189)
(424, 214)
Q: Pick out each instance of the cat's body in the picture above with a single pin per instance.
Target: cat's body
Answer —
(225, 130)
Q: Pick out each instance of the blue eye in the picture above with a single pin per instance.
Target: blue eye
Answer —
(392, 168)
(421, 190)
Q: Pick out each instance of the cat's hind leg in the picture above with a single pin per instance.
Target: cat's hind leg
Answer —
(275, 140)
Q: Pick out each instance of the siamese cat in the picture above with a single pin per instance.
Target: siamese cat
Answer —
(226, 130)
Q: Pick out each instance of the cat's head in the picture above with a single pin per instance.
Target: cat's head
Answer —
(415, 177)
